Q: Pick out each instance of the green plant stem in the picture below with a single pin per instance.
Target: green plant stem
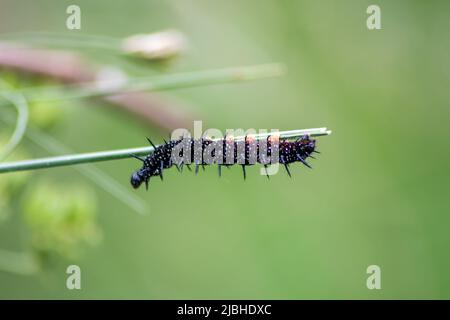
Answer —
(74, 159)
(65, 39)
(97, 176)
(21, 124)
(159, 83)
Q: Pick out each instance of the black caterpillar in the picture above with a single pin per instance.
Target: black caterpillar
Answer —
(161, 158)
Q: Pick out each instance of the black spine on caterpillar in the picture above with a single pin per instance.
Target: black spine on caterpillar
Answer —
(245, 153)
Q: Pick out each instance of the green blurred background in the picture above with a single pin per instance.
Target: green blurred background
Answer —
(378, 193)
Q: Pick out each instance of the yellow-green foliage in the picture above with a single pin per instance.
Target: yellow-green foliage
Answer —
(61, 217)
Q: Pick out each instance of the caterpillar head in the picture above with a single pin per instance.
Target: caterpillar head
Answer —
(138, 177)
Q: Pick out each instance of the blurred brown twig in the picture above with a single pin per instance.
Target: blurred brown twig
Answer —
(70, 68)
